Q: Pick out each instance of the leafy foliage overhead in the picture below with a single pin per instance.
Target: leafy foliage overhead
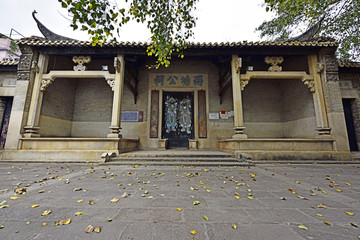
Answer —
(341, 21)
(169, 21)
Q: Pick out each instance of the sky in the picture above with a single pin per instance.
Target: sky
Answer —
(218, 20)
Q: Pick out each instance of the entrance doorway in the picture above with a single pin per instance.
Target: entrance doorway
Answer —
(350, 125)
(178, 118)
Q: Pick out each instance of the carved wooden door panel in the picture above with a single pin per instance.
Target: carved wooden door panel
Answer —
(178, 118)
(5, 121)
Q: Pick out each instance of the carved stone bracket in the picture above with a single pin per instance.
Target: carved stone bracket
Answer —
(111, 83)
(45, 83)
(80, 60)
(243, 84)
(274, 61)
(310, 84)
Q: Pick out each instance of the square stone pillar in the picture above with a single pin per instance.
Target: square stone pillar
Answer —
(319, 100)
(32, 124)
(117, 97)
(237, 99)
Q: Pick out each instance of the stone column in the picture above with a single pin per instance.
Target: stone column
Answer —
(117, 97)
(318, 97)
(237, 100)
(32, 124)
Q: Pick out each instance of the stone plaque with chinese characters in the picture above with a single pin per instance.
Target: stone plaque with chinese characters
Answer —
(178, 80)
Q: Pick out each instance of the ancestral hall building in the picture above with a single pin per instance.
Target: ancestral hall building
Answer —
(273, 100)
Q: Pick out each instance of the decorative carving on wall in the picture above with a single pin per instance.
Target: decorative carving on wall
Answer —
(310, 84)
(45, 83)
(117, 64)
(238, 65)
(319, 67)
(25, 76)
(111, 83)
(80, 60)
(274, 61)
(332, 77)
(25, 49)
(243, 84)
(34, 66)
(25, 62)
(331, 63)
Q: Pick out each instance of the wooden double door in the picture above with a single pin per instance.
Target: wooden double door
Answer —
(178, 118)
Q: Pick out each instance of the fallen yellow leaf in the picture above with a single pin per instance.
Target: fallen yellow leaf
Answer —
(338, 190)
(319, 214)
(109, 219)
(35, 205)
(114, 200)
(234, 226)
(1, 226)
(196, 202)
(47, 212)
(63, 222)
(78, 213)
(327, 223)
(348, 184)
(321, 206)
(179, 209)
(97, 229)
(250, 197)
(193, 232)
(91, 202)
(81, 200)
(150, 197)
(4, 206)
(208, 190)
(303, 227)
(44, 224)
(206, 218)
(350, 213)
(298, 182)
(89, 229)
(41, 191)
(236, 197)
(14, 197)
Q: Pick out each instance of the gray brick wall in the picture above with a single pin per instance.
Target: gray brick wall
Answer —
(262, 101)
(58, 99)
(93, 102)
(297, 101)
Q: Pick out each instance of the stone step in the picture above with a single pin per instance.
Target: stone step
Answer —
(180, 163)
(169, 155)
(176, 159)
(305, 162)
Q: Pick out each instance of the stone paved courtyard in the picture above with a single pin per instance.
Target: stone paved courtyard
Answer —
(136, 202)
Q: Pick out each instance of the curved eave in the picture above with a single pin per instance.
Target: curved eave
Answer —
(9, 63)
(47, 43)
(349, 64)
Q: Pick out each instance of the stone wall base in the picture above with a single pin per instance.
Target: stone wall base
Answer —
(68, 149)
(285, 149)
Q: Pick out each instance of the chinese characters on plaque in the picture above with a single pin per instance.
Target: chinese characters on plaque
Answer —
(178, 80)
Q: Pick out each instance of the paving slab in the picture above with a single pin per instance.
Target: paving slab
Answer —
(251, 198)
